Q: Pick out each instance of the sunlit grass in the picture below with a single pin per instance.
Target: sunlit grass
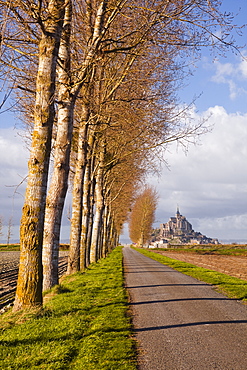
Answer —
(236, 250)
(16, 247)
(9, 247)
(84, 326)
(228, 285)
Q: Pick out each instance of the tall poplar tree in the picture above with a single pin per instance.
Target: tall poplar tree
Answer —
(59, 181)
(143, 216)
(29, 284)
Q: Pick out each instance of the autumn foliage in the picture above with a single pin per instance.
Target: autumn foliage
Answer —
(142, 216)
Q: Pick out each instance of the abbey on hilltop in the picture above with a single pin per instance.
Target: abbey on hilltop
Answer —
(179, 231)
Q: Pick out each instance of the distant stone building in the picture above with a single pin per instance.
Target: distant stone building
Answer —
(176, 226)
(179, 230)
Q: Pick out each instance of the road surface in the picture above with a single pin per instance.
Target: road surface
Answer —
(180, 322)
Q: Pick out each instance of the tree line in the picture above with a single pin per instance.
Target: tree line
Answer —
(95, 83)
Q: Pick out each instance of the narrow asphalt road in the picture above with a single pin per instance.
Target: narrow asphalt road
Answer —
(180, 322)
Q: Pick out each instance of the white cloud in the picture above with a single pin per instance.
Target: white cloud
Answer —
(220, 155)
(210, 182)
(223, 71)
(243, 67)
(232, 74)
(13, 169)
(12, 148)
(229, 227)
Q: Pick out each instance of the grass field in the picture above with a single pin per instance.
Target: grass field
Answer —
(9, 247)
(16, 247)
(83, 326)
(222, 249)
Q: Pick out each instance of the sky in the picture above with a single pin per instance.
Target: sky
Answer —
(208, 182)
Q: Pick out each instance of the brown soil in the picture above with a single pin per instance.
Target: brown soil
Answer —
(231, 265)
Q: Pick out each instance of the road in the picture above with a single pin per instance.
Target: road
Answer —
(181, 323)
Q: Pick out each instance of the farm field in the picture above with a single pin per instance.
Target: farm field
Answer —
(233, 265)
(230, 260)
(9, 262)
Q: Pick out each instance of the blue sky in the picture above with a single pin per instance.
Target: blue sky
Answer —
(209, 182)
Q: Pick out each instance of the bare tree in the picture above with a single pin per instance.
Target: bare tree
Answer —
(1, 227)
(9, 229)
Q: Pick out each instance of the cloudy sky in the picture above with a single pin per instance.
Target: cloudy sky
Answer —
(209, 182)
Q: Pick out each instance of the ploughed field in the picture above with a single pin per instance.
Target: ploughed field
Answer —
(235, 266)
(9, 262)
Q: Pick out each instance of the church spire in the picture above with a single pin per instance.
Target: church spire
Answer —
(178, 213)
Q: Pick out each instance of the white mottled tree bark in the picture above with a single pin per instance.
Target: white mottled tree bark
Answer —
(59, 182)
(29, 285)
(78, 194)
(99, 207)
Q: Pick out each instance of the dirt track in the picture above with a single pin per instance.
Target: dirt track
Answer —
(231, 265)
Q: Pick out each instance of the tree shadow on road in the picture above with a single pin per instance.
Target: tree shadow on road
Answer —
(152, 328)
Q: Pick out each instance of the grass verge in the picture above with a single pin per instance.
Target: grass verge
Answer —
(16, 247)
(226, 251)
(9, 247)
(228, 285)
(84, 326)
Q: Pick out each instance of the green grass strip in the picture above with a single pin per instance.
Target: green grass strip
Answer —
(84, 326)
(9, 247)
(204, 251)
(228, 285)
(16, 247)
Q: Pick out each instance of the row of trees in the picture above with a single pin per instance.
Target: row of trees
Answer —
(95, 82)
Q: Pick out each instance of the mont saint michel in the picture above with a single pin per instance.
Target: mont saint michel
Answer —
(179, 231)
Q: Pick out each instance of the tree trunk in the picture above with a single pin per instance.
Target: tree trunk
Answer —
(90, 222)
(105, 239)
(112, 236)
(29, 284)
(85, 216)
(59, 183)
(77, 200)
(97, 224)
